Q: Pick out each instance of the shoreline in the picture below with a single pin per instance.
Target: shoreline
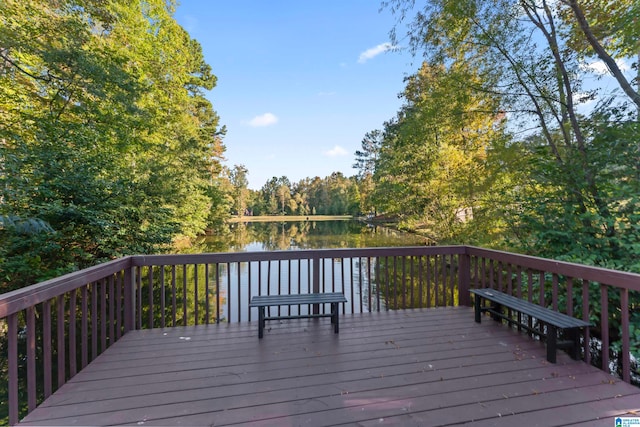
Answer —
(287, 218)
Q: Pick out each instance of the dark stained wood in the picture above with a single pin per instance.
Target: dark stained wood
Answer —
(414, 367)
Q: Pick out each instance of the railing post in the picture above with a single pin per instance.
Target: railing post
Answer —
(13, 368)
(316, 281)
(464, 279)
(129, 299)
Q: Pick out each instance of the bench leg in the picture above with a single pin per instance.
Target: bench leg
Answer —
(334, 317)
(574, 336)
(260, 322)
(551, 343)
(498, 309)
(519, 321)
(477, 304)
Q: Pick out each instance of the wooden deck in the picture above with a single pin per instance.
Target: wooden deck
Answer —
(409, 368)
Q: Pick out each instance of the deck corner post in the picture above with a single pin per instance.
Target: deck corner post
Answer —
(464, 279)
(129, 299)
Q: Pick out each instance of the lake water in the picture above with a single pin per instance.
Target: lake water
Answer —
(271, 236)
(234, 279)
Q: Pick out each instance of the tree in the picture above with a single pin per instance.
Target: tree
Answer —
(110, 95)
(574, 186)
(239, 181)
(607, 24)
(366, 166)
(432, 163)
(532, 81)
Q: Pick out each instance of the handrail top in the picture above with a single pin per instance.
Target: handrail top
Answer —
(20, 299)
(213, 257)
(620, 279)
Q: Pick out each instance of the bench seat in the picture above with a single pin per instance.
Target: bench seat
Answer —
(262, 301)
(554, 321)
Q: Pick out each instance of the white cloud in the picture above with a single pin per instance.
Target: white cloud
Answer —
(266, 119)
(600, 67)
(374, 51)
(336, 152)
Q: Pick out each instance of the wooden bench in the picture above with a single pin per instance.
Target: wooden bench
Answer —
(262, 301)
(553, 320)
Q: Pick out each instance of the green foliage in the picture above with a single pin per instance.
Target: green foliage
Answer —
(333, 195)
(564, 183)
(106, 134)
(433, 160)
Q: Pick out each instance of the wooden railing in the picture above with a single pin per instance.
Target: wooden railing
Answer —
(55, 328)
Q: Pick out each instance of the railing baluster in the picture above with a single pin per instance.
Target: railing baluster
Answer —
(229, 297)
(46, 348)
(604, 328)
(72, 334)
(217, 292)
(195, 293)
(174, 303)
(12, 355)
(185, 296)
(341, 275)
(492, 284)
(269, 277)
(206, 294)
(570, 296)
(352, 269)
(428, 278)
(554, 292)
(476, 272)
(31, 358)
(84, 327)
(585, 317)
(395, 282)
(436, 283)
(464, 280)
(103, 315)
(119, 305)
(378, 282)
(452, 279)
(150, 298)
(279, 282)
(445, 281)
(412, 282)
(420, 282)
(139, 295)
(541, 281)
(404, 282)
(112, 313)
(626, 360)
(163, 302)
(60, 344)
(289, 283)
(239, 293)
(300, 281)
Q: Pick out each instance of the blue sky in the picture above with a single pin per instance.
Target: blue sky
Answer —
(299, 82)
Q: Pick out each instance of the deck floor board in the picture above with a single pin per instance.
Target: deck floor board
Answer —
(418, 367)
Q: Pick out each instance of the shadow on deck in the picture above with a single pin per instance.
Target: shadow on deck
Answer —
(414, 367)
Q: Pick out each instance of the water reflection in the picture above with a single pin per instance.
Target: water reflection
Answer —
(226, 289)
(271, 236)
